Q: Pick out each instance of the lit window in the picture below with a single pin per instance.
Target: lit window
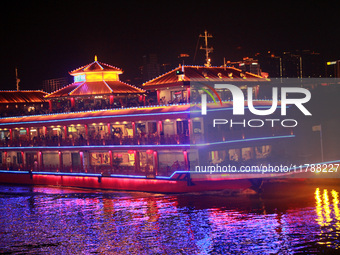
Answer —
(79, 78)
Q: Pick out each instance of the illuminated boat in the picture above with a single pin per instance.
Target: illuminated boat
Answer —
(103, 133)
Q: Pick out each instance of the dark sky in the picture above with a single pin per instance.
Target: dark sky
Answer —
(47, 39)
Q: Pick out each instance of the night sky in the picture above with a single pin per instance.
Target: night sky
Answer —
(47, 39)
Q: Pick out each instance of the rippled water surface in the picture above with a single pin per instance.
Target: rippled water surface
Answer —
(284, 219)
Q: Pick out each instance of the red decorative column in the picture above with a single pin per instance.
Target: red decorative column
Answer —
(86, 134)
(133, 129)
(50, 105)
(109, 128)
(23, 159)
(81, 154)
(28, 133)
(158, 96)
(188, 94)
(4, 163)
(60, 160)
(160, 126)
(186, 161)
(155, 157)
(73, 103)
(111, 100)
(40, 161)
(111, 163)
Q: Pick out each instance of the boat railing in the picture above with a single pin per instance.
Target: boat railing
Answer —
(113, 140)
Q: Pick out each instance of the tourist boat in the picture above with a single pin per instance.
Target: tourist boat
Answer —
(103, 133)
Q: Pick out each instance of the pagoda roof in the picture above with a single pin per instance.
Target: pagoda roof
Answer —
(95, 88)
(96, 66)
(202, 73)
(22, 96)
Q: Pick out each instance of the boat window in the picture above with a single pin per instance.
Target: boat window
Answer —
(247, 153)
(146, 161)
(50, 160)
(263, 151)
(152, 128)
(234, 154)
(182, 127)
(168, 127)
(216, 157)
(141, 128)
(170, 162)
(98, 159)
(124, 160)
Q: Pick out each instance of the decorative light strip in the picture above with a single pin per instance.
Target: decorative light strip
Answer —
(69, 174)
(101, 110)
(129, 176)
(129, 108)
(108, 86)
(87, 147)
(249, 140)
(13, 172)
(94, 117)
(50, 173)
(78, 86)
(99, 65)
(93, 175)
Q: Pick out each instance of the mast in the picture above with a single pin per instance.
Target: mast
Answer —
(206, 48)
(17, 79)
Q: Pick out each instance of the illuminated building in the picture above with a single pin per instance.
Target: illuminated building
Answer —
(136, 146)
(95, 86)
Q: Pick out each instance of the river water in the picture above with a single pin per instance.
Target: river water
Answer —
(284, 219)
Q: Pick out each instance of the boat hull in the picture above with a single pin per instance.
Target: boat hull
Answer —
(125, 183)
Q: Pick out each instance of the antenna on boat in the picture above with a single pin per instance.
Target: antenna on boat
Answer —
(206, 48)
(17, 79)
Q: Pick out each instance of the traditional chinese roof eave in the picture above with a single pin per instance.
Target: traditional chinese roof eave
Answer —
(202, 74)
(98, 67)
(22, 96)
(168, 85)
(95, 89)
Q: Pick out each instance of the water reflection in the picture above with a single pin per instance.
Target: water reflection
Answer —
(284, 219)
(327, 216)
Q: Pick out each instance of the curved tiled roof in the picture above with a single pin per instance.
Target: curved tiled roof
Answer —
(96, 88)
(96, 66)
(202, 73)
(7, 97)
